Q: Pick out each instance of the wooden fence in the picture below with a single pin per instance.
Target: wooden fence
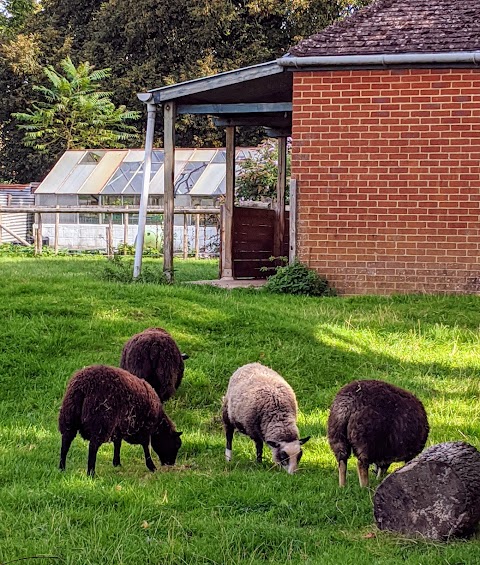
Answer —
(38, 211)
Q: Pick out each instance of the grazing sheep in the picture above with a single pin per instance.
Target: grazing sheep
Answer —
(262, 405)
(108, 404)
(154, 356)
(381, 423)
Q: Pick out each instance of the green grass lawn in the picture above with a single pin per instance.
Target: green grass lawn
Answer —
(58, 315)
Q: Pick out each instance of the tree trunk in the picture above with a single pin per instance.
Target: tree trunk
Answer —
(436, 495)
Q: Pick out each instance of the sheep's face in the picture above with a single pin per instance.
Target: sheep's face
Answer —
(166, 446)
(287, 454)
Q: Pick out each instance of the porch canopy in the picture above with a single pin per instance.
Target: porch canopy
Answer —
(260, 95)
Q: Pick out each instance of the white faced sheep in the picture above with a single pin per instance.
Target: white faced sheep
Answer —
(154, 356)
(262, 405)
(108, 404)
(381, 423)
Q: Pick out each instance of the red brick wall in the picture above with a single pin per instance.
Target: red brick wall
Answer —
(387, 164)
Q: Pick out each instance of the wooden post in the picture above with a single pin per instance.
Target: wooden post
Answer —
(110, 236)
(57, 226)
(227, 261)
(185, 236)
(39, 235)
(125, 231)
(17, 237)
(169, 112)
(197, 236)
(204, 234)
(292, 256)
(280, 205)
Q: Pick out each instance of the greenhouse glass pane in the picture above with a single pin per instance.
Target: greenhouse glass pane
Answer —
(78, 175)
(121, 178)
(220, 157)
(210, 179)
(60, 172)
(103, 172)
(203, 155)
(189, 176)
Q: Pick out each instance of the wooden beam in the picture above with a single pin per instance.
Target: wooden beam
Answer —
(17, 237)
(205, 84)
(104, 209)
(280, 205)
(216, 109)
(257, 120)
(227, 259)
(278, 131)
(169, 113)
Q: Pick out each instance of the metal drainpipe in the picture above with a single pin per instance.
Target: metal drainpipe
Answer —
(381, 59)
(147, 167)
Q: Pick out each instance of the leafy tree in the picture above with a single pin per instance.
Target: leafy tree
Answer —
(13, 14)
(74, 114)
(257, 177)
(152, 43)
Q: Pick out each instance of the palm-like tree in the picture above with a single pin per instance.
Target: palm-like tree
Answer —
(73, 113)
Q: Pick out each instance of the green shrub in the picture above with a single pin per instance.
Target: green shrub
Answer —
(120, 270)
(298, 279)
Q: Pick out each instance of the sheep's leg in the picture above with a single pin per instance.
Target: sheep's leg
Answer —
(362, 470)
(229, 431)
(67, 439)
(148, 458)
(92, 456)
(342, 473)
(259, 446)
(382, 471)
(117, 444)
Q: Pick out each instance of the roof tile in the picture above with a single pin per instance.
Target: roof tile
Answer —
(399, 26)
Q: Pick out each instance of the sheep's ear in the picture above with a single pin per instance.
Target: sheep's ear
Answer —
(179, 434)
(273, 444)
(304, 440)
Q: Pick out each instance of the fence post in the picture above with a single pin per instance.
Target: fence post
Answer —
(125, 231)
(38, 235)
(57, 226)
(197, 236)
(185, 236)
(110, 236)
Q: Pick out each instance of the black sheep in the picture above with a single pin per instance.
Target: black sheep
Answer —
(381, 423)
(154, 356)
(108, 404)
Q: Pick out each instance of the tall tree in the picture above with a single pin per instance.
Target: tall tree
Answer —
(73, 113)
(13, 14)
(151, 43)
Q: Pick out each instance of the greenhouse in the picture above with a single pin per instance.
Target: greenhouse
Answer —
(101, 177)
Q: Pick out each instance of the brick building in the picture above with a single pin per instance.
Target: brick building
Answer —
(387, 153)
(384, 112)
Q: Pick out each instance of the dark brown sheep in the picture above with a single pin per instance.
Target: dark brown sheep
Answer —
(108, 404)
(381, 423)
(154, 356)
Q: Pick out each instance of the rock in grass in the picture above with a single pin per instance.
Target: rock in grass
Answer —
(436, 495)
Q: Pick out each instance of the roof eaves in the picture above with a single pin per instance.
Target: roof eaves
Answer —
(381, 60)
(204, 84)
